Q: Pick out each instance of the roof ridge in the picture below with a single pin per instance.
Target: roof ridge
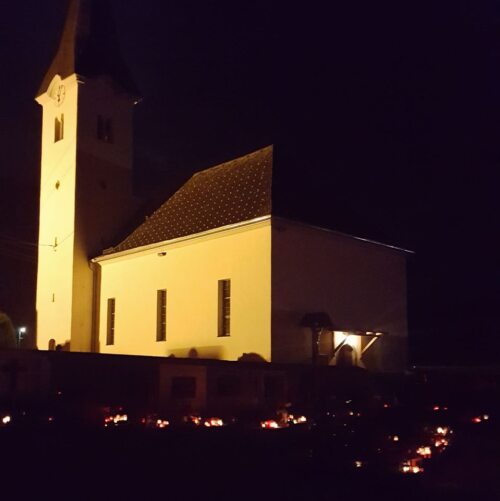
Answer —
(227, 163)
(234, 191)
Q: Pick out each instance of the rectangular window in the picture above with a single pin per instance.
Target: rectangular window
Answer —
(110, 332)
(104, 129)
(59, 128)
(161, 315)
(224, 308)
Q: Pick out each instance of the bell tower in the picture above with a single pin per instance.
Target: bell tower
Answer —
(86, 196)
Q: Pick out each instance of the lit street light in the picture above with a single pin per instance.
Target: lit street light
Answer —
(21, 331)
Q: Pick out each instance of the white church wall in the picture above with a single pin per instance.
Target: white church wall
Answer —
(85, 197)
(57, 214)
(361, 285)
(189, 270)
(104, 199)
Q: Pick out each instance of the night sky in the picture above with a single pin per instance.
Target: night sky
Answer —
(385, 118)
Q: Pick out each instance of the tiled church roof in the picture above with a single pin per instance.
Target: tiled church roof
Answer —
(229, 193)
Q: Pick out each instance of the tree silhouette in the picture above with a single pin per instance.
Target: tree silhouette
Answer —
(7, 333)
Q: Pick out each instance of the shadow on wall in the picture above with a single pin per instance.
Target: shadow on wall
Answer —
(213, 352)
(59, 347)
(251, 357)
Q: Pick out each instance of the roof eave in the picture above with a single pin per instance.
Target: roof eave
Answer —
(156, 245)
(346, 235)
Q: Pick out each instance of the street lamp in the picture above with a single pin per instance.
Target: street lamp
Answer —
(21, 331)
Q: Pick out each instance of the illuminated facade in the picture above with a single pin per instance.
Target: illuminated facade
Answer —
(213, 273)
(85, 184)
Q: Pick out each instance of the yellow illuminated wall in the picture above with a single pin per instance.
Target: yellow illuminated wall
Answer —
(85, 195)
(190, 271)
(57, 215)
(279, 271)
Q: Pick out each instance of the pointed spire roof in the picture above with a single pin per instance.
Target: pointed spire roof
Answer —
(89, 47)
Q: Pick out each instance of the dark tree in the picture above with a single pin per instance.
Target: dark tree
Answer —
(7, 333)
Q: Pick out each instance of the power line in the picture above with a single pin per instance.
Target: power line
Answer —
(11, 240)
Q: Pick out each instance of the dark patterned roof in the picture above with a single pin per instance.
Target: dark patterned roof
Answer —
(236, 191)
(88, 47)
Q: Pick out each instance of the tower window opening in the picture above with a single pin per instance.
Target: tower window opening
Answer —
(59, 128)
(104, 129)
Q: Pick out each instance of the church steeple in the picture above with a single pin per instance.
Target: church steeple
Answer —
(86, 171)
(89, 48)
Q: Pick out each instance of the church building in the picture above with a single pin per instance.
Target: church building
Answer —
(213, 273)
